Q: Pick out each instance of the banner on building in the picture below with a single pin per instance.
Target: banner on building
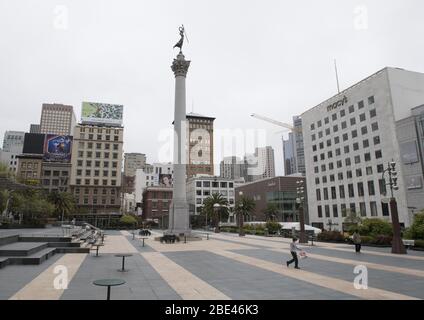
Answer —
(58, 148)
(102, 113)
(165, 180)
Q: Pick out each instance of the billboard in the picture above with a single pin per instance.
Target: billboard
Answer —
(103, 113)
(57, 148)
(165, 180)
(34, 143)
(409, 152)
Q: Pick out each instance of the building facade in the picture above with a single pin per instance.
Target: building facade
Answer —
(35, 128)
(30, 168)
(200, 141)
(56, 176)
(96, 167)
(233, 168)
(57, 119)
(293, 150)
(260, 165)
(13, 141)
(281, 191)
(132, 162)
(349, 141)
(156, 203)
(201, 187)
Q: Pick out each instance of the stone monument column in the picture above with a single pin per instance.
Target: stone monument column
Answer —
(179, 220)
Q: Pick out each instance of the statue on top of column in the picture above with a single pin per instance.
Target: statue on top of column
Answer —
(181, 42)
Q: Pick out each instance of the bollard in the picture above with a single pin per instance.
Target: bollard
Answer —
(207, 236)
(185, 239)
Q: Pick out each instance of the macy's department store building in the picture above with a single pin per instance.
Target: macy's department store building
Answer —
(349, 141)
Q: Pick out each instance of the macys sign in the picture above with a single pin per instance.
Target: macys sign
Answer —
(337, 104)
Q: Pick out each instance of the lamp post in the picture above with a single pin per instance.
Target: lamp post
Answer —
(241, 216)
(216, 208)
(397, 244)
(301, 200)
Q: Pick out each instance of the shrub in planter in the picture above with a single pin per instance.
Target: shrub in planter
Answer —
(334, 236)
(374, 227)
(419, 243)
(416, 231)
(382, 240)
(367, 239)
(273, 227)
(260, 232)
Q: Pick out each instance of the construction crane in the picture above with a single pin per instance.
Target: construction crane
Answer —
(278, 123)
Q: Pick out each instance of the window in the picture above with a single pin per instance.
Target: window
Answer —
(313, 137)
(378, 154)
(329, 143)
(363, 209)
(335, 212)
(358, 173)
(333, 193)
(318, 192)
(367, 157)
(352, 121)
(327, 211)
(342, 113)
(361, 189)
(319, 211)
(374, 126)
(357, 159)
(79, 163)
(340, 176)
(313, 126)
(371, 100)
(376, 140)
(385, 209)
(369, 171)
(373, 206)
(343, 209)
(373, 113)
(327, 132)
(371, 189)
(364, 130)
(345, 137)
(325, 194)
(206, 184)
(336, 140)
(338, 152)
(323, 168)
(98, 145)
(320, 134)
(382, 186)
(346, 149)
(362, 117)
(115, 156)
(365, 143)
(326, 120)
(331, 165)
(321, 145)
(351, 191)
(330, 154)
(316, 180)
(342, 192)
(355, 146)
(115, 146)
(354, 134)
(360, 104)
(351, 109)
(348, 162)
(344, 125)
(334, 117)
(314, 148)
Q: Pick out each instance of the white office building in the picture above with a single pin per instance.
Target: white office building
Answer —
(150, 176)
(350, 139)
(201, 187)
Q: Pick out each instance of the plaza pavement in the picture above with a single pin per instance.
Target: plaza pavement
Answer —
(226, 267)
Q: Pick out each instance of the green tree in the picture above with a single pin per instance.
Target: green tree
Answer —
(32, 205)
(217, 214)
(4, 197)
(375, 227)
(64, 203)
(128, 220)
(416, 230)
(243, 209)
(271, 211)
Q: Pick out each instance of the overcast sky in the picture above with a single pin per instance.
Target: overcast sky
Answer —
(270, 57)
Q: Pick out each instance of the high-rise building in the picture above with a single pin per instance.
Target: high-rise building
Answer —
(351, 138)
(200, 141)
(13, 141)
(293, 150)
(35, 128)
(233, 168)
(57, 119)
(96, 167)
(260, 165)
(132, 162)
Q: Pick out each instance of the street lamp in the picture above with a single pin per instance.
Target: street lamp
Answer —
(241, 216)
(397, 244)
(301, 200)
(216, 208)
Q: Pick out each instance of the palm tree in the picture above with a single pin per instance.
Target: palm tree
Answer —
(63, 202)
(244, 207)
(216, 206)
(271, 211)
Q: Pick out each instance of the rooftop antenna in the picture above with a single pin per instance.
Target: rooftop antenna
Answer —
(337, 75)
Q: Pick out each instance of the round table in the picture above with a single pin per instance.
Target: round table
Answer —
(123, 255)
(108, 283)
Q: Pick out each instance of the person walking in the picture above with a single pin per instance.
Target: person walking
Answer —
(293, 251)
(357, 241)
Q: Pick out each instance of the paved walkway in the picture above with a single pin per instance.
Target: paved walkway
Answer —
(224, 267)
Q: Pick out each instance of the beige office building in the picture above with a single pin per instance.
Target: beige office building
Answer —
(57, 119)
(96, 167)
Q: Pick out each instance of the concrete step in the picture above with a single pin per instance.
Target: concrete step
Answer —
(4, 261)
(64, 244)
(45, 239)
(72, 250)
(21, 248)
(34, 259)
(8, 239)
